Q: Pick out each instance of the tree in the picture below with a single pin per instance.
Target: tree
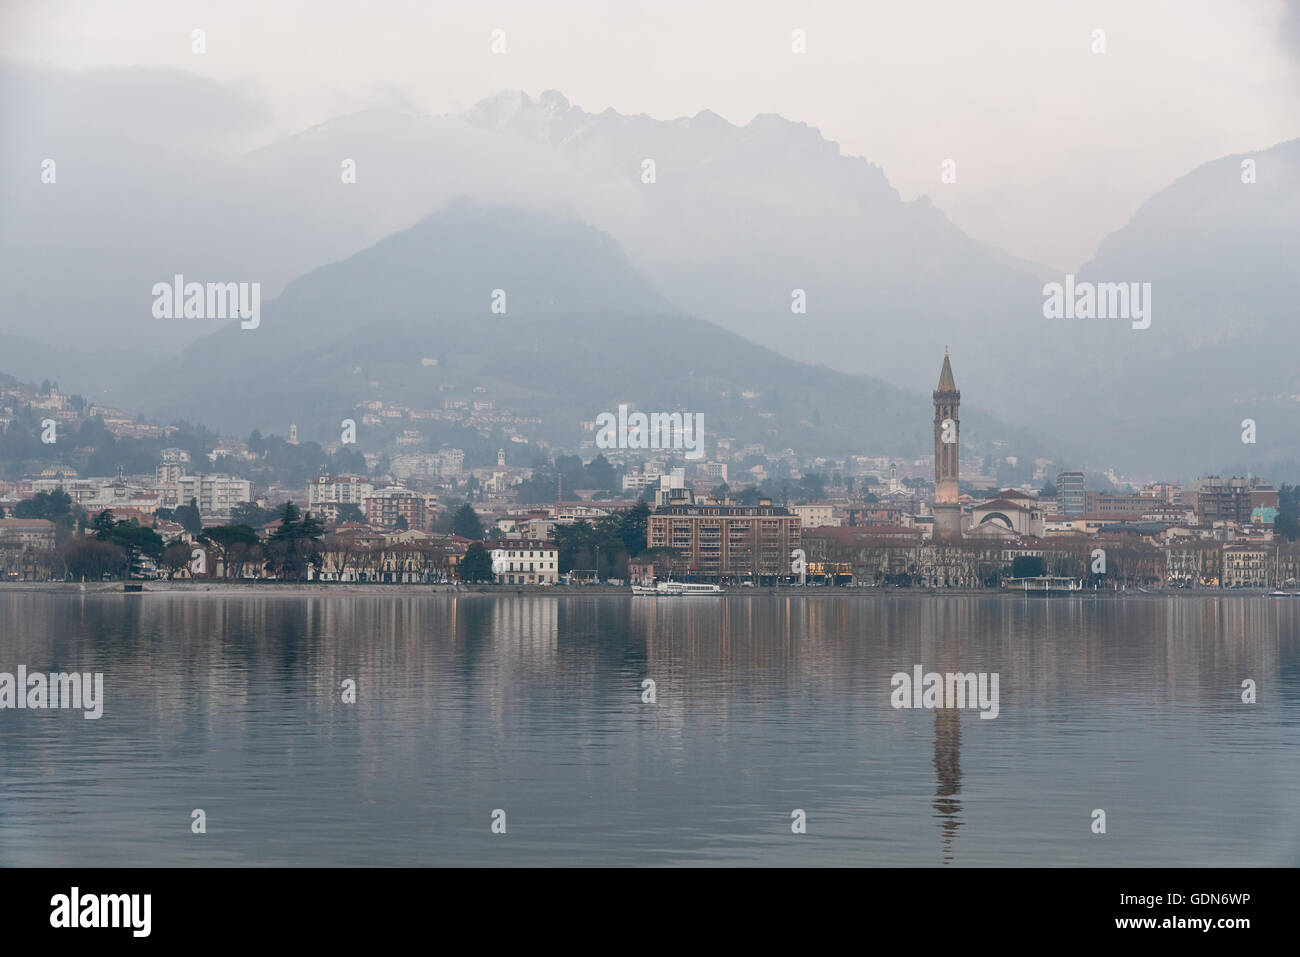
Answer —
(175, 557)
(103, 525)
(252, 514)
(402, 524)
(188, 516)
(351, 512)
(812, 487)
(89, 558)
(2, 511)
(476, 566)
(466, 523)
(134, 540)
(1287, 523)
(292, 546)
(51, 506)
(599, 474)
(634, 528)
(1028, 566)
(225, 538)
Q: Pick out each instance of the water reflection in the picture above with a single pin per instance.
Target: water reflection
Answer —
(533, 703)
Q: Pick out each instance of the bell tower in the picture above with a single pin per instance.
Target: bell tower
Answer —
(947, 425)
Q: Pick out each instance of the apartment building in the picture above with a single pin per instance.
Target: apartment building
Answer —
(724, 542)
(816, 515)
(383, 507)
(33, 533)
(1245, 566)
(325, 494)
(215, 494)
(1071, 499)
(1228, 500)
(525, 561)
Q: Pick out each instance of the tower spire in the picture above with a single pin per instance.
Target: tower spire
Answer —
(947, 400)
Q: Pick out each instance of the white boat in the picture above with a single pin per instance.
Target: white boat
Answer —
(676, 589)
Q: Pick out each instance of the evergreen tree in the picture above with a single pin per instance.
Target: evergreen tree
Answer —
(466, 523)
(476, 566)
(188, 516)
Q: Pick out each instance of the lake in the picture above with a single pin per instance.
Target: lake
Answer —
(468, 705)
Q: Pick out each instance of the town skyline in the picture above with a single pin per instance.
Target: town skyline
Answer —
(853, 524)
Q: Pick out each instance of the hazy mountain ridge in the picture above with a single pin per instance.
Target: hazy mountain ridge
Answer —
(738, 218)
(566, 349)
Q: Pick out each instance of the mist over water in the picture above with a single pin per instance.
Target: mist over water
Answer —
(764, 704)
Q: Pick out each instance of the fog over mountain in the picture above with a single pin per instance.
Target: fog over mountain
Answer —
(736, 219)
(406, 321)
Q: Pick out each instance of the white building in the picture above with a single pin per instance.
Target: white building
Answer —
(816, 515)
(174, 464)
(637, 481)
(450, 462)
(215, 494)
(326, 493)
(672, 489)
(524, 561)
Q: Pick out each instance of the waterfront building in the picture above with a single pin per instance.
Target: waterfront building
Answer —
(523, 561)
(728, 542)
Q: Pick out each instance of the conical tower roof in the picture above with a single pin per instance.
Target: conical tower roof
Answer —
(946, 382)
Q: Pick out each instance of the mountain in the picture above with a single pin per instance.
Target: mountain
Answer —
(583, 331)
(1221, 256)
(737, 219)
(758, 210)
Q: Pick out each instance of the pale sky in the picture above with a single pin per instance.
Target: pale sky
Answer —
(1055, 146)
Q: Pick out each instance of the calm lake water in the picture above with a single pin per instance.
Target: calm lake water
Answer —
(532, 705)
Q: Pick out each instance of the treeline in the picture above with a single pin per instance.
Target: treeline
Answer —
(94, 548)
(90, 448)
(545, 486)
(1287, 523)
(604, 546)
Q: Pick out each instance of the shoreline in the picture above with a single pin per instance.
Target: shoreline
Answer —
(364, 589)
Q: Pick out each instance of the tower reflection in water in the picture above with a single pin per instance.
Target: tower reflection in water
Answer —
(947, 769)
(947, 727)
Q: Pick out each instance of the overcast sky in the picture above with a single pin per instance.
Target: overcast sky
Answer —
(1055, 145)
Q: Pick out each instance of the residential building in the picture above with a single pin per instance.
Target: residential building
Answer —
(34, 533)
(326, 493)
(214, 493)
(727, 541)
(1228, 500)
(383, 507)
(174, 464)
(525, 561)
(816, 515)
(1245, 566)
(1071, 499)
